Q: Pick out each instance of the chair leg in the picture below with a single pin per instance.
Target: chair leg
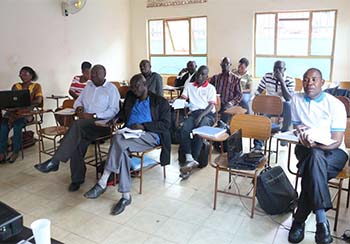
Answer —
(268, 159)
(277, 144)
(216, 186)
(164, 172)
(254, 193)
(141, 173)
(348, 195)
(340, 186)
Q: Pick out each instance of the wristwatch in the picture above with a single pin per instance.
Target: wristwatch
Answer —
(94, 116)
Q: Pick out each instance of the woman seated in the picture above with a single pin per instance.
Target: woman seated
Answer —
(79, 81)
(12, 119)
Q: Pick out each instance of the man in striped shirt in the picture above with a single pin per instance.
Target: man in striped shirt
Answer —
(228, 86)
(279, 84)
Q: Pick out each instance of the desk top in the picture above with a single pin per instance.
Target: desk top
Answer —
(172, 88)
(56, 97)
(235, 110)
(287, 136)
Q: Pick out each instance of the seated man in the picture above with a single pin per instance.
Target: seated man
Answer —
(246, 82)
(186, 74)
(202, 98)
(153, 79)
(99, 100)
(142, 110)
(317, 163)
(228, 86)
(282, 85)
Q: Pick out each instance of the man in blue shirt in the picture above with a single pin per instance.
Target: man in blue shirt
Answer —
(145, 111)
(99, 100)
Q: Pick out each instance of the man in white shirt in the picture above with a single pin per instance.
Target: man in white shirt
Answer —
(99, 100)
(202, 98)
(318, 163)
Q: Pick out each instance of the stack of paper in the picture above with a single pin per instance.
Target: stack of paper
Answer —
(179, 103)
(66, 111)
(208, 131)
(129, 133)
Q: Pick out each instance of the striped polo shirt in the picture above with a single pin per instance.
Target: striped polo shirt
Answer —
(273, 87)
(76, 86)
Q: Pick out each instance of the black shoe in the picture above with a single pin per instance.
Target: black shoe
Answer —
(74, 186)
(185, 176)
(95, 192)
(12, 158)
(47, 166)
(189, 166)
(323, 234)
(120, 206)
(296, 233)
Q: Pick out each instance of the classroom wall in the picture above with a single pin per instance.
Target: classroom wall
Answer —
(35, 33)
(230, 28)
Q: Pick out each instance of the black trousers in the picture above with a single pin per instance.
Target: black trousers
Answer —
(75, 144)
(316, 167)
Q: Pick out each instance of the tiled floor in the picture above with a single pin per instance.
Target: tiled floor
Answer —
(168, 211)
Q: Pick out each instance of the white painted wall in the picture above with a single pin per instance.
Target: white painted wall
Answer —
(35, 33)
(230, 28)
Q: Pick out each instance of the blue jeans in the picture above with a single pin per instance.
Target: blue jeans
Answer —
(18, 124)
(287, 121)
(245, 101)
(193, 146)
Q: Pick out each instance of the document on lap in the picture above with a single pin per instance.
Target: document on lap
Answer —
(129, 133)
(314, 135)
(179, 104)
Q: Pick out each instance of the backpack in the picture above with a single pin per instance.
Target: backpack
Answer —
(274, 192)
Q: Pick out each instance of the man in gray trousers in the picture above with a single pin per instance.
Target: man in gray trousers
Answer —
(142, 110)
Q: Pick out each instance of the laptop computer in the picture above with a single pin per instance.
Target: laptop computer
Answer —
(14, 99)
(236, 158)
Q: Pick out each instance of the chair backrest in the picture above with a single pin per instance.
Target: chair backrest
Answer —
(346, 102)
(123, 90)
(344, 85)
(116, 83)
(253, 126)
(263, 104)
(68, 103)
(171, 81)
(298, 85)
(347, 133)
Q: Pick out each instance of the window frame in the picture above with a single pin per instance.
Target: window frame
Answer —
(309, 55)
(165, 20)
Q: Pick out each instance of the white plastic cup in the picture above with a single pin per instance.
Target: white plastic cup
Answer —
(41, 231)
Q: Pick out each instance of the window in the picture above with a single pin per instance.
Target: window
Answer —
(301, 39)
(173, 42)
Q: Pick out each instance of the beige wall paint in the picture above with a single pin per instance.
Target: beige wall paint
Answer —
(35, 33)
(230, 28)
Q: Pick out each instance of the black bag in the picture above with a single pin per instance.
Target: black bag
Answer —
(203, 156)
(275, 193)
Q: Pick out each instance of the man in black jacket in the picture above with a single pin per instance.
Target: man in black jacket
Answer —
(145, 111)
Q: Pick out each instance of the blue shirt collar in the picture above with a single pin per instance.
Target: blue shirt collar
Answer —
(317, 99)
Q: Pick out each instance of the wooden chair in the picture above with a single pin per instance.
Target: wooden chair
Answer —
(51, 133)
(344, 85)
(144, 164)
(171, 82)
(253, 126)
(272, 106)
(123, 90)
(298, 85)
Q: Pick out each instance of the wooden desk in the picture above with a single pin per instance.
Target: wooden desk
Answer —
(57, 98)
(235, 110)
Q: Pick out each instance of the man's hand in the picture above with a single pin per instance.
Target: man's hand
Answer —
(306, 141)
(183, 71)
(83, 115)
(137, 127)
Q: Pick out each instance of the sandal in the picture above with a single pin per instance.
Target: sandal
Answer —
(12, 158)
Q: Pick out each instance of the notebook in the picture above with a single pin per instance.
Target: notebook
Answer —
(236, 158)
(14, 99)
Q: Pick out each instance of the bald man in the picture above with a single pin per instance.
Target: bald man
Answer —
(99, 100)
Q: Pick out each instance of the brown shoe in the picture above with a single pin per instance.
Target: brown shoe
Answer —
(2, 158)
(189, 166)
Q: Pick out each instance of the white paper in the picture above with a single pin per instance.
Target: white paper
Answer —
(179, 104)
(66, 111)
(287, 136)
(319, 137)
(129, 133)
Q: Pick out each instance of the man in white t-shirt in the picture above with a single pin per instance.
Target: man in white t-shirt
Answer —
(318, 163)
(202, 98)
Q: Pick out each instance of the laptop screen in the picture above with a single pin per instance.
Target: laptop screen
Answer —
(234, 146)
(14, 99)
